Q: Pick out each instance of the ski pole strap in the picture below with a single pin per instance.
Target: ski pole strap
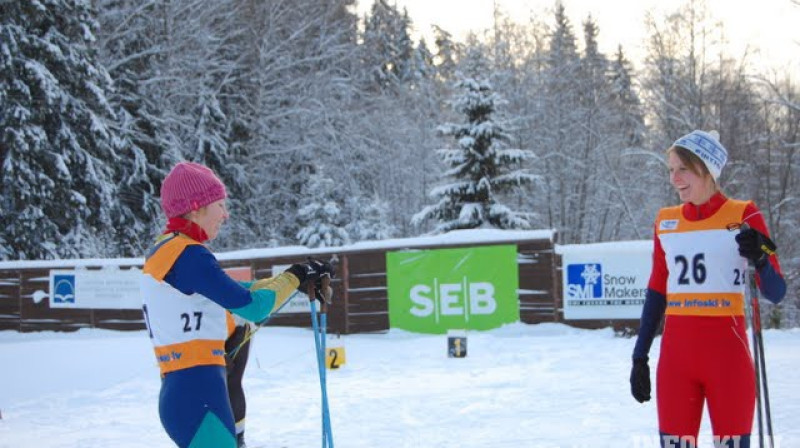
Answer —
(249, 334)
(326, 293)
(260, 325)
(768, 246)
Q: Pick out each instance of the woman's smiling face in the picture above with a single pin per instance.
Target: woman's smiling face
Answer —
(211, 217)
(693, 185)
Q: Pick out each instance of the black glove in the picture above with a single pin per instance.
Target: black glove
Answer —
(640, 380)
(311, 272)
(755, 246)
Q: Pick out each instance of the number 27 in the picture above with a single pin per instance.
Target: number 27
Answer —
(187, 321)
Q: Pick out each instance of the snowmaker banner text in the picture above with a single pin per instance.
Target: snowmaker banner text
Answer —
(605, 283)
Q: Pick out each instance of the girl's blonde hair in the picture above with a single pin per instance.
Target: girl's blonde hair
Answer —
(690, 160)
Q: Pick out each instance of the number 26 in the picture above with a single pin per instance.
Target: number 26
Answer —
(698, 269)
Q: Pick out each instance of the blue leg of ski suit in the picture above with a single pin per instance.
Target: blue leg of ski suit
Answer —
(195, 409)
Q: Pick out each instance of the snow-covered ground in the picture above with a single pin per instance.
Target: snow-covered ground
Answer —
(545, 385)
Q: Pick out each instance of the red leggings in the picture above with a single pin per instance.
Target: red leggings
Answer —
(705, 359)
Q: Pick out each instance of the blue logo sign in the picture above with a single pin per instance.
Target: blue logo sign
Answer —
(585, 281)
(63, 289)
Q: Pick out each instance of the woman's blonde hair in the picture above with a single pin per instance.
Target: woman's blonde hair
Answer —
(690, 160)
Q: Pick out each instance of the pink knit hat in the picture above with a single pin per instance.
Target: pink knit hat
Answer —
(190, 186)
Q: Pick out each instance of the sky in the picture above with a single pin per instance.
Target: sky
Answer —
(770, 25)
(533, 386)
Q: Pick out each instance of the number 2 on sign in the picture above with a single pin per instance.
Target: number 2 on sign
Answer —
(334, 358)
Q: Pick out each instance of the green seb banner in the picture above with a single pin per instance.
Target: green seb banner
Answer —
(432, 291)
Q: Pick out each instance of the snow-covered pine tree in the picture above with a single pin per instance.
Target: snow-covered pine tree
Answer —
(5, 249)
(422, 66)
(213, 150)
(482, 168)
(561, 122)
(128, 49)
(591, 140)
(629, 184)
(291, 106)
(322, 223)
(388, 44)
(446, 53)
(56, 181)
(625, 99)
(369, 219)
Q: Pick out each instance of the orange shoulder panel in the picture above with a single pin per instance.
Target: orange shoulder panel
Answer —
(731, 212)
(165, 254)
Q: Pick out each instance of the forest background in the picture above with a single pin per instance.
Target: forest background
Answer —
(330, 127)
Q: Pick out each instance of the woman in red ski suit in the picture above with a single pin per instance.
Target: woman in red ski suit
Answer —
(698, 281)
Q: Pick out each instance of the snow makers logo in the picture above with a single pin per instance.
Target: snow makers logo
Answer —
(585, 281)
(63, 289)
(433, 291)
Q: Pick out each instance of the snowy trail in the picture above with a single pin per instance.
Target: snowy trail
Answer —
(545, 385)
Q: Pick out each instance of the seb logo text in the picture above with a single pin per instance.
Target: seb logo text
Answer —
(432, 291)
(453, 299)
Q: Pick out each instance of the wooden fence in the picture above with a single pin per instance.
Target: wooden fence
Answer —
(360, 293)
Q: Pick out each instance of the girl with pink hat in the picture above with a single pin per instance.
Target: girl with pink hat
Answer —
(187, 298)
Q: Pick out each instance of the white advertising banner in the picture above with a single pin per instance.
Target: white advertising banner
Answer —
(107, 288)
(605, 280)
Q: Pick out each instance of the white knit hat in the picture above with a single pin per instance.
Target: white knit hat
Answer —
(706, 145)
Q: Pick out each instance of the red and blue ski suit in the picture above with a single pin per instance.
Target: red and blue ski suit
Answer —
(698, 282)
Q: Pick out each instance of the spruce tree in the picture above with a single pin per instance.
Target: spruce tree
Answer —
(321, 220)
(57, 146)
(369, 219)
(129, 49)
(423, 67)
(482, 168)
(626, 101)
(388, 44)
(447, 51)
(561, 123)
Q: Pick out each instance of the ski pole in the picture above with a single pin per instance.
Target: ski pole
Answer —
(763, 369)
(327, 437)
(756, 365)
(327, 434)
(326, 414)
(758, 355)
